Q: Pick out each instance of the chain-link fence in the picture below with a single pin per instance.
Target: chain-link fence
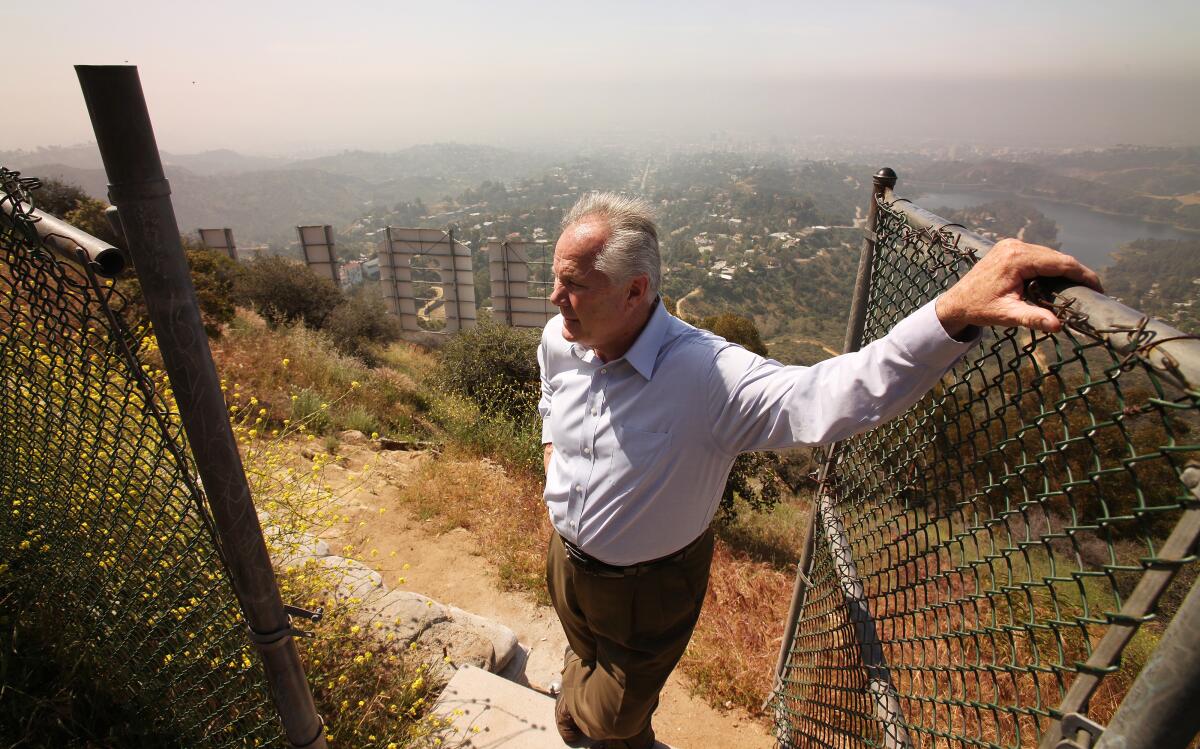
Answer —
(977, 565)
(107, 554)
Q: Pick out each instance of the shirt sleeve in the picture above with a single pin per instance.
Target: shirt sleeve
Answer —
(547, 390)
(761, 404)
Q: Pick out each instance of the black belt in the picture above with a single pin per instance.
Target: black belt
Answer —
(594, 566)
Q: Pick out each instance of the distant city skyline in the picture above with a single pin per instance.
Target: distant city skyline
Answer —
(285, 78)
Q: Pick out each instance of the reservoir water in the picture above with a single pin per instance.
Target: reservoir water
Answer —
(1088, 235)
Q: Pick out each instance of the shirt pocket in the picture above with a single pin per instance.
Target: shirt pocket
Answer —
(637, 457)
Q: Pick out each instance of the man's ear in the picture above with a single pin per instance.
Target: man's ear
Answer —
(639, 287)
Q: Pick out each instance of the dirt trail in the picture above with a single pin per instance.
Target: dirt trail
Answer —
(679, 310)
(449, 568)
(814, 342)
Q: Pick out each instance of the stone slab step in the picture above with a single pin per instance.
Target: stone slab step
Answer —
(490, 712)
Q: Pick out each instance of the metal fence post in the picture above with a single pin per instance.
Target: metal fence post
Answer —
(884, 181)
(139, 190)
(1168, 687)
(887, 703)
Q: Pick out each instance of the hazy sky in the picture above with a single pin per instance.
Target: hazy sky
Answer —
(283, 77)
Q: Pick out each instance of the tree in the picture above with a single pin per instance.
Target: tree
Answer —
(58, 198)
(214, 277)
(736, 329)
(361, 325)
(285, 292)
(88, 215)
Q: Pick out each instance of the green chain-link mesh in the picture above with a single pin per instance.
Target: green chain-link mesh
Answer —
(972, 552)
(105, 547)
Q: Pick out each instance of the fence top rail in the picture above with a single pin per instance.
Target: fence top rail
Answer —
(1173, 353)
(947, 233)
(65, 240)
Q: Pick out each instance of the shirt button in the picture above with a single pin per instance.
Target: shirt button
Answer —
(578, 487)
(604, 371)
(587, 451)
(595, 412)
(572, 524)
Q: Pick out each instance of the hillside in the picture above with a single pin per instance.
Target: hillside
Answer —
(264, 199)
(1161, 278)
(260, 206)
(87, 157)
(1004, 218)
(456, 163)
(1140, 169)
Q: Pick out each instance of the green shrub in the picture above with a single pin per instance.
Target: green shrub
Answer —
(309, 409)
(58, 198)
(496, 367)
(285, 292)
(360, 419)
(331, 444)
(88, 215)
(516, 443)
(361, 326)
(214, 277)
(736, 329)
(755, 481)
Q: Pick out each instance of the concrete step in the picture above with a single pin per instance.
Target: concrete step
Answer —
(490, 712)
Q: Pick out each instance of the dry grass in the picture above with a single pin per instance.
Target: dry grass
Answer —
(274, 365)
(503, 510)
(732, 654)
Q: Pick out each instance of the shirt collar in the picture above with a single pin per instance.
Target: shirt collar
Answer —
(643, 354)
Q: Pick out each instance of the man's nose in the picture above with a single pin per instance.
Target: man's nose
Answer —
(558, 297)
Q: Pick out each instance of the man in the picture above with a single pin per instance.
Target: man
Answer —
(643, 416)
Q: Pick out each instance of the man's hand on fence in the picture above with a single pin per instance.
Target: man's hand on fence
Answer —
(990, 293)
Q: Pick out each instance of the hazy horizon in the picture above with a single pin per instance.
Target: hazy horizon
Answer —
(298, 78)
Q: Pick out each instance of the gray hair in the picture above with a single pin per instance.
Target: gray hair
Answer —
(632, 246)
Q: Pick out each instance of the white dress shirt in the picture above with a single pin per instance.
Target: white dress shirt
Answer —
(643, 444)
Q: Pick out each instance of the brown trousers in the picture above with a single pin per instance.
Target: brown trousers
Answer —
(627, 634)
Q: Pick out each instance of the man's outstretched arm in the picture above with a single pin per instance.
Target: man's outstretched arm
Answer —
(762, 405)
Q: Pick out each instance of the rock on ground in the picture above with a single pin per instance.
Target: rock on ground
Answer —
(441, 634)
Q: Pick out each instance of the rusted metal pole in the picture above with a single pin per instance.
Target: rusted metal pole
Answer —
(1173, 354)
(885, 180)
(879, 680)
(879, 684)
(139, 190)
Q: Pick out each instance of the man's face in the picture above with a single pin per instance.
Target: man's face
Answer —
(597, 313)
